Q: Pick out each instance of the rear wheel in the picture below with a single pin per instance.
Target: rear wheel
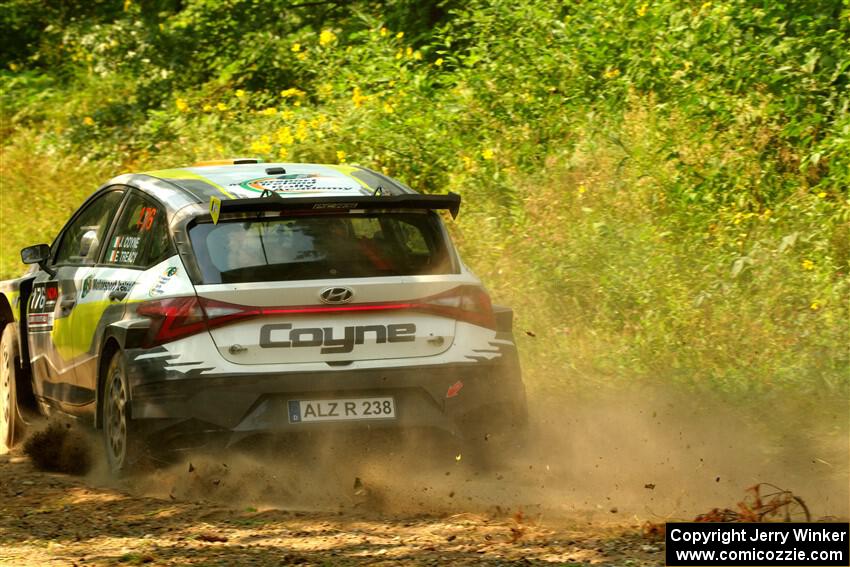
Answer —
(11, 423)
(120, 442)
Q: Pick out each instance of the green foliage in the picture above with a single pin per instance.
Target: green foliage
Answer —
(661, 188)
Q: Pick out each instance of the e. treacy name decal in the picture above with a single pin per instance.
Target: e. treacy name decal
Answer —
(125, 249)
(324, 336)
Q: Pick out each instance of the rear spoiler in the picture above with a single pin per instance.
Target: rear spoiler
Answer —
(272, 202)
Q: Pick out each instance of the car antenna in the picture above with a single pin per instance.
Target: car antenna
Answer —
(378, 192)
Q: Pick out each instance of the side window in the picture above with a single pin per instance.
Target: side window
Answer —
(82, 238)
(140, 237)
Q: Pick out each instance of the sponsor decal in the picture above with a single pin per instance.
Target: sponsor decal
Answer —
(324, 336)
(158, 287)
(92, 283)
(302, 183)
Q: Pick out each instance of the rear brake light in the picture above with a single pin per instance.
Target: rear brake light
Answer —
(464, 303)
(172, 318)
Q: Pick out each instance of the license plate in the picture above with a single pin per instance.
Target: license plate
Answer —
(303, 411)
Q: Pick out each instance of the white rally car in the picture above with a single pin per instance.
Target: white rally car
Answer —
(242, 298)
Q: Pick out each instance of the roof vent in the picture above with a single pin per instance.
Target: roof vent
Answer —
(275, 171)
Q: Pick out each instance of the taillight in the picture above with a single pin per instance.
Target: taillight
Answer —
(172, 318)
(464, 303)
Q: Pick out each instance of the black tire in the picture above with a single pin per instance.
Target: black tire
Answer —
(12, 426)
(121, 441)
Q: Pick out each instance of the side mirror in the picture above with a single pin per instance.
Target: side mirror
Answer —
(38, 254)
(35, 254)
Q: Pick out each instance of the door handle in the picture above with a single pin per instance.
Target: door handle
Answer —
(117, 295)
(67, 304)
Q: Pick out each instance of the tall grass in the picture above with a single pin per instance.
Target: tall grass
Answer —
(659, 189)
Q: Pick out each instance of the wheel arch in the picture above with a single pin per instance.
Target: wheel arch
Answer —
(23, 387)
(111, 345)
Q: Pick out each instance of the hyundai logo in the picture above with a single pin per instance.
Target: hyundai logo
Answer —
(336, 295)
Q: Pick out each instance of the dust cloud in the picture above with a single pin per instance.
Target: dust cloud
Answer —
(642, 455)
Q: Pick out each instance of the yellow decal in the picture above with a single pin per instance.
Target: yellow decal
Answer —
(215, 208)
(183, 174)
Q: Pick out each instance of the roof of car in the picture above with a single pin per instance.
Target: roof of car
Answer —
(285, 179)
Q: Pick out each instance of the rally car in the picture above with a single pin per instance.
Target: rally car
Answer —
(241, 298)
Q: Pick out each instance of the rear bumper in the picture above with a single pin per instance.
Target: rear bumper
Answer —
(491, 397)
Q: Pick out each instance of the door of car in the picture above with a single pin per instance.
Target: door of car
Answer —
(137, 240)
(54, 346)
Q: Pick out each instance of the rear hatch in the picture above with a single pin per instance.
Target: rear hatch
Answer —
(330, 287)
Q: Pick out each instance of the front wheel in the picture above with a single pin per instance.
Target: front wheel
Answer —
(11, 423)
(120, 442)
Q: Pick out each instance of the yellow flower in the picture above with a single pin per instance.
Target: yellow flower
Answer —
(399, 54)
(582, 189)
(14, 66)
(399, 35)
(240, 93)
(284, 136)
(822, 194)
(383, 32)
(286, 114)
(468, 162)
(88, 121)
(293, 92)
(439, 62)
(808, 265)
(270, 111)
(611, 73)
(326, 37)
(181, 105)
(388, 108)
(221, 106)
(283, 154)
(261, 146)
(816, 304)
(487, 154)
(340, 156)
(296, 47)
(325, 90)
(207, 107)
(301, 131)
(302, 56)
(417, 56)
(641, 12)
(358, 98)
(408, 51)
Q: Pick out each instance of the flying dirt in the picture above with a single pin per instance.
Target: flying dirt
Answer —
(583, 490)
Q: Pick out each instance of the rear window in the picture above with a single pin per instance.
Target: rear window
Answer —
(320, 247)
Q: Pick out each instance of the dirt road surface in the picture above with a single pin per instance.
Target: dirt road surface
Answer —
(577, 494)
(56, 519)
